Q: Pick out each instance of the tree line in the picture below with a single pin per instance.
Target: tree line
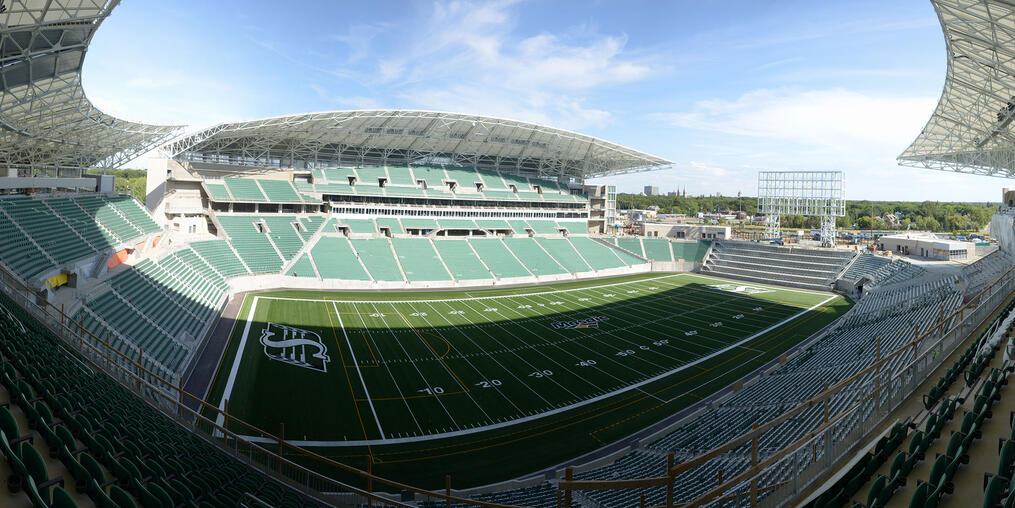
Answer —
(128, 181)
(923, 215)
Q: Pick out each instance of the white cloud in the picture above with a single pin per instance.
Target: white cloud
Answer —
(858, 132)
(359, 37)
(838, 121)
(542, 78)
(537, 107)
(354, 101)
(390, 69)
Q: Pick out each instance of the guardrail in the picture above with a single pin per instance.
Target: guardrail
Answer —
(268, 455)
(795, 468)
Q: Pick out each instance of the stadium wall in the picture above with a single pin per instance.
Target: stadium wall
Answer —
(860, 422)
(276, 281)
(1002, 228)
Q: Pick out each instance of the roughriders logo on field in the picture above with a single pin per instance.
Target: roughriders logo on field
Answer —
(589, 322)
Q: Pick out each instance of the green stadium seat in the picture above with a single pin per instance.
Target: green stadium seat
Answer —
(62, 499)
(535, 259)
(501, 261)
(419, 260)
(379, 259)
(218, 192)
(244, 189)
(599, 256)
(400, 175)
(462, 260)
(335, 259)
(302, 268)
(279, 191)
(564, 253)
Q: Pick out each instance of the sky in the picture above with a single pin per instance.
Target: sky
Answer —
(722, 88)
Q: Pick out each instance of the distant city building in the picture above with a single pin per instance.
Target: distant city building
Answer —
(651, 190)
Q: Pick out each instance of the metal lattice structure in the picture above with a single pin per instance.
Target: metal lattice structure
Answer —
(399, 137)
(810, 193)
(45, 119)
(970, 130)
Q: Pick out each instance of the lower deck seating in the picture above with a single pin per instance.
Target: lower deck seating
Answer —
(884, 319)
(634, 245)
(564, 253)
(501, 261)
(599, 256)
(379, 259)
(251, 244)
(158, 308)
(437, 259)
(302, 267)
(756, 262)
(657, 249)
(37, 235)
(533, 256)
(419, 259)
(19, 253)
(689, 250)
(359, 225)
(543, 227)
(462, 260)
(112, 447)
(335, 259)
(865, 266)
(220, 256)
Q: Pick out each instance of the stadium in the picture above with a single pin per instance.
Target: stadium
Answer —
(396, 307)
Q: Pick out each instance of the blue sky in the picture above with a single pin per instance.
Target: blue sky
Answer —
(722, 88)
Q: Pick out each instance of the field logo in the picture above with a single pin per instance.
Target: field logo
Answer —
(589, 322)
(741, 288)
(291, 345)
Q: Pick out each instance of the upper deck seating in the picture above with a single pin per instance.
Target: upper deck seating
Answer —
(244, 189)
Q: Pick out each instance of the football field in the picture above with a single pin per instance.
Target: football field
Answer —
(375, 369)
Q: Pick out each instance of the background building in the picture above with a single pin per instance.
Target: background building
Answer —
(687, 231)
(927, 245)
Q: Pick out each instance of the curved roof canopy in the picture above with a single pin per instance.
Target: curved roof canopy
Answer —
(396, 137)
(45, 118)
(971, 129)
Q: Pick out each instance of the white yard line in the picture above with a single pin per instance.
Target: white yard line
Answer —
(450, 347)
(386, 367)
(358, 372)
(635, 386)
(492, 358)
(426, 382)
(237, 358)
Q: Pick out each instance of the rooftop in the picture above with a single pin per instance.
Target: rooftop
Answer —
(399, 137)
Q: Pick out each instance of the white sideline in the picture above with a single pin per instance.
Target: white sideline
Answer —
(485, 428)
(236, 364)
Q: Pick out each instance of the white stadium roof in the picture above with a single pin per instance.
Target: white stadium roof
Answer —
(395, 137)
(45, 119)
(971, 129)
